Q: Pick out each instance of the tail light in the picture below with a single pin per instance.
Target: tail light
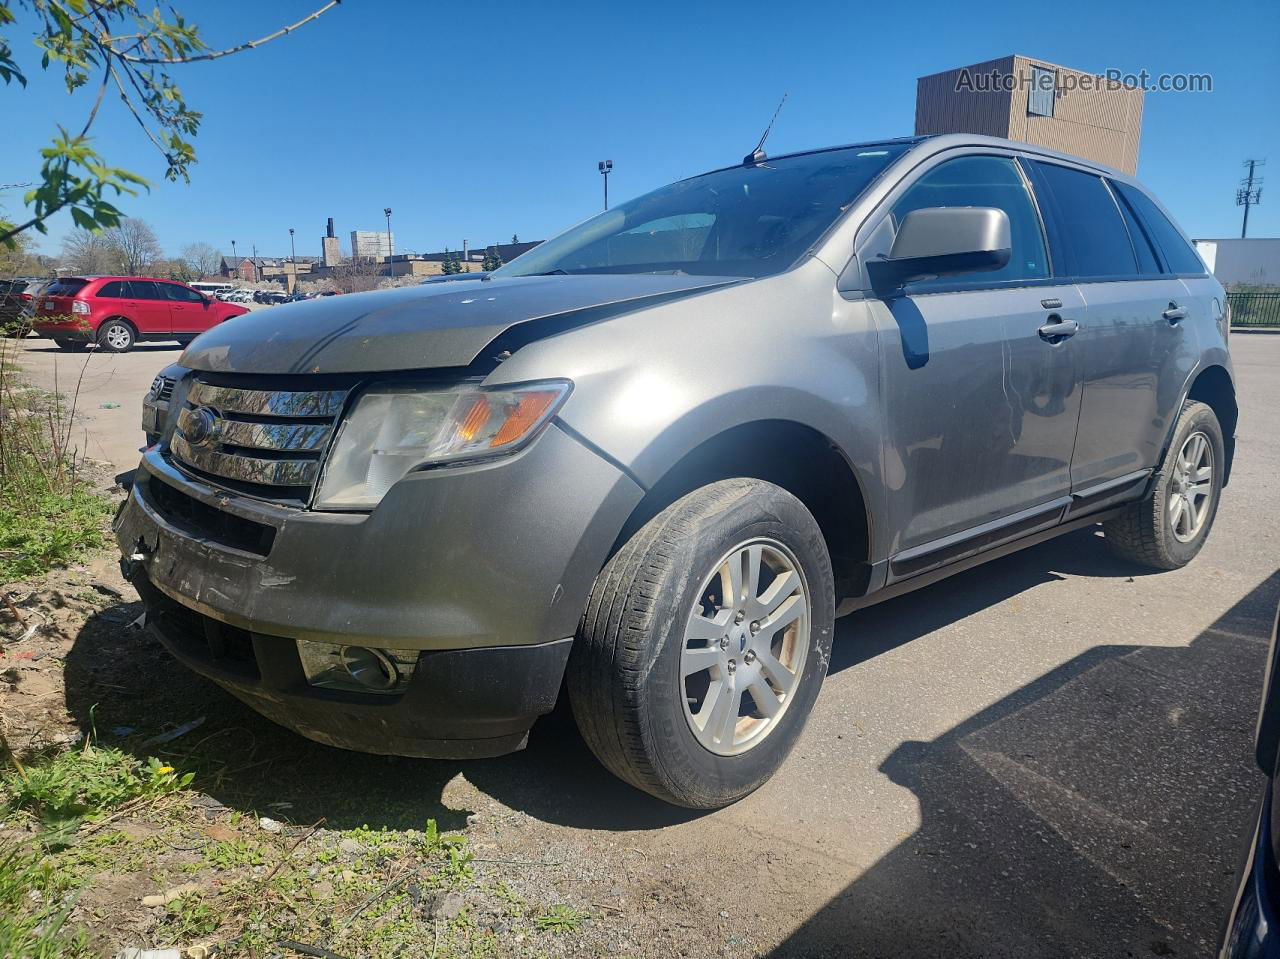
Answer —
(79, 306)
(25, 296)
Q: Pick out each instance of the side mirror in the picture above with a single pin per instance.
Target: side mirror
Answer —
(944, 241)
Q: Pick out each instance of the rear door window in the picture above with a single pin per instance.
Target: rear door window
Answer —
(144, 290)
(989, 181)
(1087, 223)
(180, 294)
(113, 291)
(1179, 257)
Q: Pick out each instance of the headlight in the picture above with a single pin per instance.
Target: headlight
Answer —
(392, 430)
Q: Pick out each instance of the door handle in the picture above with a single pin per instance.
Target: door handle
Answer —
(1174, 313)
(1058, 329)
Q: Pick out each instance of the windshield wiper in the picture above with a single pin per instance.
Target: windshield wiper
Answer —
(556, 272)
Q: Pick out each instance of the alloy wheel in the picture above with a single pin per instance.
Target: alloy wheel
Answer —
(745, 646)
(118, 337)
(1191, 493)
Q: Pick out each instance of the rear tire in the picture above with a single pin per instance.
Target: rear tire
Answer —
(116, 336)
(668, 627)
(1168, 527)
(71, 346)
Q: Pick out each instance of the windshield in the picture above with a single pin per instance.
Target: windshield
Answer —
(744, 221)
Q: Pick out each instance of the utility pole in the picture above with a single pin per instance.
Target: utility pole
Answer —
(605, 167)
(293, 256)
(1250, 193)
(234, 257)
(390, 250)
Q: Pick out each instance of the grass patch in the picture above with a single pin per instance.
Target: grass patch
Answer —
(33, 924)
(559, 918)
(63, 789)
(49, 514)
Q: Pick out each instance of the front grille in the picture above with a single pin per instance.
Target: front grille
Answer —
(265, 443)
(162, 388)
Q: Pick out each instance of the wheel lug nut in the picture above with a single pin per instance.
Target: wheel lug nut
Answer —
(739, 617)
(732, 665)
(755, 626)
(724, 642)
(749, 658)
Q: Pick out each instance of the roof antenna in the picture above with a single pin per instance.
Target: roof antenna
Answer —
(758, 155)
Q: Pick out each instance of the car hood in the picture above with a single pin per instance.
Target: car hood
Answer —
(420, 327)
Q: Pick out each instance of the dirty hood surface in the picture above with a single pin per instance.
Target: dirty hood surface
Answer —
(417, 327)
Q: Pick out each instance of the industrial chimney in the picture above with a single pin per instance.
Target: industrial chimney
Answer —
(330, 248)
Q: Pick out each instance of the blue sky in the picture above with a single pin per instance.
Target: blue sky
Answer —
(480, 120)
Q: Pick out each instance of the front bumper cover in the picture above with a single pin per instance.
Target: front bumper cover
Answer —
(484, 569)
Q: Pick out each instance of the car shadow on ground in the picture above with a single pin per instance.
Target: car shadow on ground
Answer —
(136, 348)
(1101, 810)
(122, 679)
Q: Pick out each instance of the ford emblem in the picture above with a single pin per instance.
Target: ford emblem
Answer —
(201, 427)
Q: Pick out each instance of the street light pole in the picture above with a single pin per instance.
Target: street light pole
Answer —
(605, 167)
(236, 258)
(293, 256)
(390, 249)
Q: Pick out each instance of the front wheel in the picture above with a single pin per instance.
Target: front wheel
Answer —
(1167, 528)
(704, 644)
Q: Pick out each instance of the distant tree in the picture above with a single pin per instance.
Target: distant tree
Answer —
(514, 238)
(450, 265)
(135, 245)
(20, 260)
(492, 259)
(86, 252)
(201, 259)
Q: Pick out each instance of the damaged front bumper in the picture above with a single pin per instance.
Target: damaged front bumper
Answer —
(483, 571)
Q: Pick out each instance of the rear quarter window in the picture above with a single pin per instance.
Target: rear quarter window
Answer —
(1179, 257)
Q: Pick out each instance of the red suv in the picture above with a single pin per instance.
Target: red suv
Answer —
(117, 311)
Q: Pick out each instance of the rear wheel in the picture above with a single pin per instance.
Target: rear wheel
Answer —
(705, 643)
(116, 336)
(1167, 528)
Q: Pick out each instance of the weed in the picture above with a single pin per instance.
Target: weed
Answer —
(231, 855)
(65, 788)
(560, 918)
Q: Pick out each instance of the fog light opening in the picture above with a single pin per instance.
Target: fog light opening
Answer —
(371, 668)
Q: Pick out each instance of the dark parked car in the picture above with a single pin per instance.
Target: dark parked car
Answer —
(1251, 929)
(17, 298)
(657, 455)
(117, 311)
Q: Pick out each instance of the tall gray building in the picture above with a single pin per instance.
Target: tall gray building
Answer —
(371, 244)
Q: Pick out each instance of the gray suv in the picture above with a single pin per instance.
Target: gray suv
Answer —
(653, 459)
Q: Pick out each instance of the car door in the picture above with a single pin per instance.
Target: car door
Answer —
(981, 397)
(151, 308)
(1128, 349)
(189, 310)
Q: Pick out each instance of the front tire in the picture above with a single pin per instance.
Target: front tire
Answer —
(705, 643)
(1168, 527)
(116, 336)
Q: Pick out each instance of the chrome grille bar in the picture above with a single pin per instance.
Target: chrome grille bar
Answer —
(246, 469)
(326, 403)
(299, 437)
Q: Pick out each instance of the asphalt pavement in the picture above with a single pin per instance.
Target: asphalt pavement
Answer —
(1045, 756)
